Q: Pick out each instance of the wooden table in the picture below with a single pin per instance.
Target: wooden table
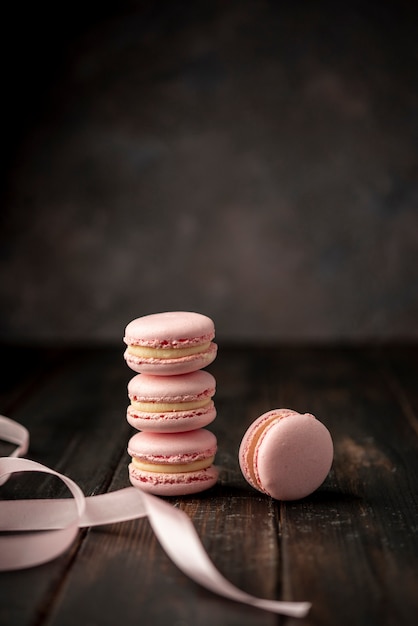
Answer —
(351, 548)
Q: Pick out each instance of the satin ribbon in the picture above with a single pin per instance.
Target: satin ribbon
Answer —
(41, 529)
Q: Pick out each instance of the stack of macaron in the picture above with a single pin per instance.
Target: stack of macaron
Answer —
(171, 402)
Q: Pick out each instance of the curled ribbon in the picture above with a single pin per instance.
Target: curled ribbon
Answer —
(42, 529)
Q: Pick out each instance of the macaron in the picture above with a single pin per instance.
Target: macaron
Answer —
(173, 464)
(285, 454)
(170, 343)
(171, 403)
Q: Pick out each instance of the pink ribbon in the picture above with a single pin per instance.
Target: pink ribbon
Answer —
(40, 530)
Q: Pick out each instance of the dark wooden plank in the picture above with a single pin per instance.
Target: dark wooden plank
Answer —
(75, 413)
(353, 544)
(121, 570)
(345, 548)
(399, 366)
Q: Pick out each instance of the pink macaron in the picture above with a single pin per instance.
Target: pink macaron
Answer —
(173, 464)
(170, 343)
(286, 454)
(171, 403)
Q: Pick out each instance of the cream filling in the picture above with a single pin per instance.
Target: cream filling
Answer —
(166, 353)
(158, 407)
(253, 446)
(175, 468)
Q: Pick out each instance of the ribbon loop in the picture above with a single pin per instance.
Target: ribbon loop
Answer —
(26, 549)
(14, 433)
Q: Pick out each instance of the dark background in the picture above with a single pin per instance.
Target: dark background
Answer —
(256, 161)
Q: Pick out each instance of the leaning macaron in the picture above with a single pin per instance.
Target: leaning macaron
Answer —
(171, 403)
(173, 464)
(170, 343)
(286, 454)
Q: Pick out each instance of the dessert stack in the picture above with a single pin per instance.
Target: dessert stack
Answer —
(171, 402)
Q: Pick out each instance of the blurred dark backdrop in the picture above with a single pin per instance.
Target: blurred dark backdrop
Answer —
(256, 161)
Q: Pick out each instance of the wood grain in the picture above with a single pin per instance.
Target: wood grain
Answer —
(350, 548)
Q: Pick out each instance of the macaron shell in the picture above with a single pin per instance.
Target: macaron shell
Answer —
(172, 367)
(179, 328)
(172, 421)
(170, 448)
(182, 388)
(291, 457)
(166, 484)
